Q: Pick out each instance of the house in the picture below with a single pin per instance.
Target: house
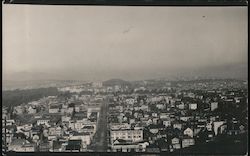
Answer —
(35, 138)
(43, 121)
(78, 108)
(233, 129)
(144, 107)
(84, 137)
(31, 110)
(19, 110)
(192, 106)
(155, 120)
(8, 122)
(89, 129)
(134, 135)
(176, 143)
(35, 131)
(44, 147)
(80, 116)
(242, 129)
(156, 128)
(188, 132)
(222, 129)
(187, 141)
(9, 133)
(65, 118)
(209, 126)
(160, 106)
(130, 101)
(52, 137)
(210, 135)
(216, 125)
(146, 115)
(54, 109)
(164, 115)
(57, 131)
(45, 132)
(154, 115)
(177, 125)
(201, 124)
(77, 126)
(196, 130)
(131, 120)
(71, 108)
(185, 118)
(71, 125)
(181, 105)
(65, 106)
(128, 146)
(26, 132)
(24, 127)
(149, 122)
(167, 122)
(117, 126)
(213, 106)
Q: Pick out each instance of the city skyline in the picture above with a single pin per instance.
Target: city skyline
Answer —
(132, 43)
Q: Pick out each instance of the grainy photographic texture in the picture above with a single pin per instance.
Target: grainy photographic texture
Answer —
(125, 78)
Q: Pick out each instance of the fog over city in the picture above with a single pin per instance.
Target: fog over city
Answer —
(132, 43)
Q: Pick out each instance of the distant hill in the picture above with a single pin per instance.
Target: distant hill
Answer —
(113, 82)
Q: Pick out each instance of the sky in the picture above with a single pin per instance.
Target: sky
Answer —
(132, 43)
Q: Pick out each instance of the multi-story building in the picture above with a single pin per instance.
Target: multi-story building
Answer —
(134, 135)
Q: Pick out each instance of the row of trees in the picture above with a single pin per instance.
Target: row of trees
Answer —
(17, 97)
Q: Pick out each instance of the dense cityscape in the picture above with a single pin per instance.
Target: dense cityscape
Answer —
(122, 116)
(124, 80)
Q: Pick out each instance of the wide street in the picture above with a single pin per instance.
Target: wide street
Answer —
(99, 142)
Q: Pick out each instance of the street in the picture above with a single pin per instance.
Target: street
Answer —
(99, 142)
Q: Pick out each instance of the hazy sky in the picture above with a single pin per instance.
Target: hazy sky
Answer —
(100, 42)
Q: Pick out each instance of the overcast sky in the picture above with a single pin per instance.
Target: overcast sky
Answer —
(100, 42)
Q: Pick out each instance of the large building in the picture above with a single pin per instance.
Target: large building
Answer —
(134, 135)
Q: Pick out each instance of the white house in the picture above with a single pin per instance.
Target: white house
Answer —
(167, 123)
(188, 132)
(193, 106)
(43, 121)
